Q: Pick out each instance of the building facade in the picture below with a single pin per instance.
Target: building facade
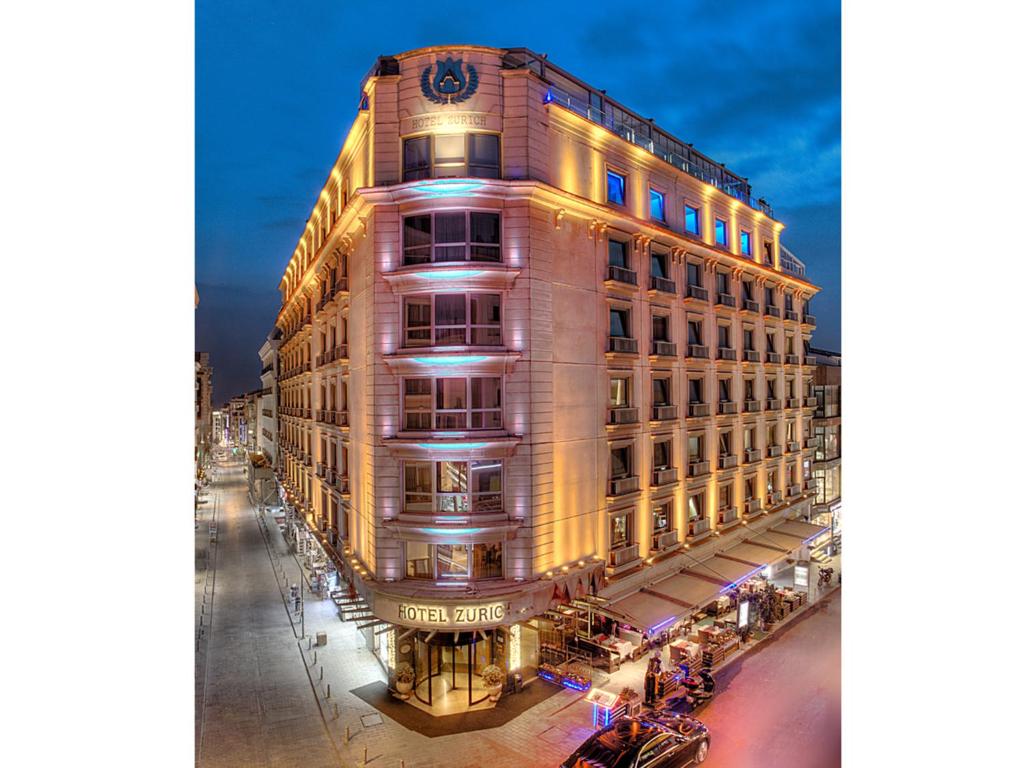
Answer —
(266, 439)
(203, 410)
(826, 426)
(533, 348)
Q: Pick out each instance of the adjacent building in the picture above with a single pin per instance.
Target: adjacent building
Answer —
(266, 439)
(533, 348)
(203, 410)
(826, 425)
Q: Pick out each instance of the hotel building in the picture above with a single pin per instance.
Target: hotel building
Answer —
(266, 438)
(533, 349)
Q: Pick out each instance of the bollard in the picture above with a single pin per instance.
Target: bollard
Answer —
(200, 621)
(321, 674)
(314, 658)
(348, 736)
(335, 711)
(328, 690)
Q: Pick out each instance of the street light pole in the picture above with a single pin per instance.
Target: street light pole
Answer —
(302, 603)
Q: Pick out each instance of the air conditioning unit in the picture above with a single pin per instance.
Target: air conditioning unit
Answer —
(774, 450)
(772, 357)
(664, 413)
(664, 476)
(727, 461)
(752, 506)
(698, 468)
(726, 515)
(726, 407)
(697, 527)
(752, 455)
(751, 356)
(623, 555)
(696, 410)
(665, 348)
(773, 404)
(751, 406)
(726, 353)
(623, 485)
(665, 539)
(621, 344)
(623, 415)
(696, 350)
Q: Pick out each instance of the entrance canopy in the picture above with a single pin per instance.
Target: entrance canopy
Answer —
(647, 611)
(806, 531)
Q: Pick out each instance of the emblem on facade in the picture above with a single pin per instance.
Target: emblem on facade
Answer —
(451, 84)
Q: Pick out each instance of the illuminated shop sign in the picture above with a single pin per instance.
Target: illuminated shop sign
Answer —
(800, 575)
(743, 614)
(448, 120)
(452, 615)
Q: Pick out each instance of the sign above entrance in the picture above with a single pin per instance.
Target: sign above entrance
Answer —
(452, 83)
(454, 121)
(454, 616)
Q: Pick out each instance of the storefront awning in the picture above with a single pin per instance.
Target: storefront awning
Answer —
(686, 590)
(755, 554)
(727, 573)
(646, 611)
(805, 531)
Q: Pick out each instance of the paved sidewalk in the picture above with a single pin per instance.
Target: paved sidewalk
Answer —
(258, 708)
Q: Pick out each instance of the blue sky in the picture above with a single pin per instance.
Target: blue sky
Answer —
(754, 85)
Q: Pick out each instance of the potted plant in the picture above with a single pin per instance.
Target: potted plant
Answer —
(494, 680)
(404, 678)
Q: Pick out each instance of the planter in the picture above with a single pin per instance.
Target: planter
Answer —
(403, 688)
(494, 692)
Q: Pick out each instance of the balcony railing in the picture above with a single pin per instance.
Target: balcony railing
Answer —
(792, 402)
(772, 358)
(623, 485)
(771, 310)
(751, 356)
(664, 413)
(664, 476)
(725, 300)
(727, 515)
(726, 353)
(663, 284)
(774, 450)
(663, 348)
(751, 406)
(623, 415)
(697, 527)
(727, 407)
(752, 507)
(810, 319)
(622, 344)
(752, 455)
(750, 306)
(665, 539)
(773, 404)
(696, 350)
(698, 468)
(727, 461)
(621, 275)
(697, 410)
(624, 555)
(791, 315)
(696, 292)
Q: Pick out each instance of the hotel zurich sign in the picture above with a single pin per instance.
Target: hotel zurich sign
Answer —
(452, 83)
(453, 615)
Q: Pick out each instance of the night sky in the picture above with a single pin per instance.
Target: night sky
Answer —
(754, 85)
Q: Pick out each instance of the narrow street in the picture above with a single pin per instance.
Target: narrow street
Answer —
(256, 706)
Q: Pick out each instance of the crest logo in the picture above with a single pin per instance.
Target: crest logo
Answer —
(450, 84)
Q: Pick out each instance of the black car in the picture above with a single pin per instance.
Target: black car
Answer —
(644, 743)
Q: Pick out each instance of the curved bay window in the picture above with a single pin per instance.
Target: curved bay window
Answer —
(453, 155)
(453, 487)
(453, 562)
(451, 236)
(452, 403)
(453, 319)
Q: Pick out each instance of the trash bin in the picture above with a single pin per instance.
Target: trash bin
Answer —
(321, 638)
(517, 683)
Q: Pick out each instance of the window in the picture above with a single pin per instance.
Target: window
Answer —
(663, 454)
(748, 389)
(693, 274)
(749, 487)
(659, 327)
(725, 496)
(661, 392)
(657, 205)
(622, 462)
(619, 325)
(769, 340)
(618, 254)
(721, 232)
(453, 561)
(662, 517)
(769, 256)
(442, 237)
(748, 339)
(622, 530)
(724, 337)
(725, 390)
(445, 156)
(788, 299)
(692, 219)
(790, 431)
(769, 296)
(744, 242)
(696, 390)
(750, 439)
(659, 264)
(695, 449)
(725, 443)
(748, 290)
(453, 487)
(458, 403)
(618, 392)
(616, 188)
(771, 388)
(696, 509)
(722, 283)
(695, 332)
(449, 312)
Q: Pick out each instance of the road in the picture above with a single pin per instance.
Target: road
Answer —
(780, 704)
(256, 707)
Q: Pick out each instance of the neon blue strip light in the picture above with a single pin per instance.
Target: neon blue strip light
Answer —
(741, 580)
(450, 359)
(667, 621)
(449, 274)
(454, 188)
(450, 446)
(452, 531)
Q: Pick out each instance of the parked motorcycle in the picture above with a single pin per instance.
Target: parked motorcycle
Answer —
(824, 577)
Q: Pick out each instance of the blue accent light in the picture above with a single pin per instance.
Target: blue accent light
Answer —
(449, 274)
(450, 446)
(571, 684)
(657, 205)
(453, 188)
(666, 622)
(616, 188)
(450, 359)
(549, 97)
(450, 531)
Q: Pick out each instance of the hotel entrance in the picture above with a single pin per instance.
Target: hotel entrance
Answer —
(448, 667)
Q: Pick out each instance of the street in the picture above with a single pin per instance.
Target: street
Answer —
(779, 705)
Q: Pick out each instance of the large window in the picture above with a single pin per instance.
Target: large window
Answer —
(622, 462)
(692, 220)
(744, 242)
(453, 403)
(659, 327)
(445, 156)
(721, 232)
(693, 274)
(622, 530)
(618, 392)
(453, 487)
(453, 319)
(453, 561)
(618, 254)
(659, 264)
(663, 454)
(696, 507)
(662, 389)
(443, 237)
(616, 188)
(657, 205)
(619, 323)
(663, 517)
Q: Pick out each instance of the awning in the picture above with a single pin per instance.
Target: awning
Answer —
(727, 573)
(687, 591)
(646, 612)
(754, 554)
(806, 531)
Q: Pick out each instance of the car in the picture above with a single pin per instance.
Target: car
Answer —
(645, 742)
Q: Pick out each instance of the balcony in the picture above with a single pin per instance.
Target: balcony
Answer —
(751, 406)
(771, 310)
(622, 344)
(792, 359)
(665, 540)
(793, 491)
(772, 358)
(751, 356)
(664, 476)
(698, 468)
(774, 450)
(320, 469)
(775, 498)
(728, 461)
(697, 410)
(725, 300)
(623, 415)
(726, 353)
(621, 275)
(696, 350)
(696, 293)
(663, 284)
(752, 455)
(773, 404)
(792, 446)
(329, 476)
(811, 442)
(664, 413)
(750, 306)
(622, 557)
(752, 507)
(810, 486)
(663, 348)
(727, 515)
(727, 407)
(307, 460)
(810, 402)
(341, 418)
(619, 486)
(341, 483)
(307, 413)
(791, 315)
(697, 527)
(792, 402)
